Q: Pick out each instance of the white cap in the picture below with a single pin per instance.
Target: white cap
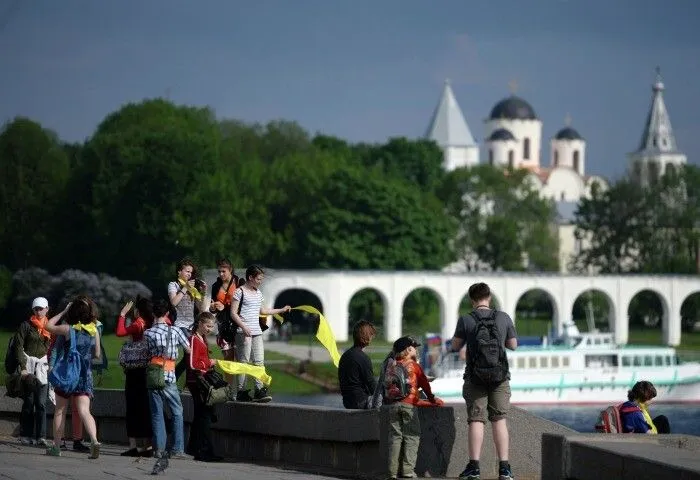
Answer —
(40, 302)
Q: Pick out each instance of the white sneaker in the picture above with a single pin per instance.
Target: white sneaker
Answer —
(42, 442)
(25, 441)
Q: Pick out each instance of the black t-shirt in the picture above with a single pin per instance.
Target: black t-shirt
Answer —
(356, 378)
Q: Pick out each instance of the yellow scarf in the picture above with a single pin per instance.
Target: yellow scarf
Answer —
(89, 328)
(324, 334)
(192, 291)
(647, 417)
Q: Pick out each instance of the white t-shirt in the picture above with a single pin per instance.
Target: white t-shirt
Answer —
(184, 309)
(250, 310)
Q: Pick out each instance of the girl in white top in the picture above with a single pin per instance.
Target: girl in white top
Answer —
(249, 341)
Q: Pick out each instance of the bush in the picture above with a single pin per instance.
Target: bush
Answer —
(109, 293)
(5, 286)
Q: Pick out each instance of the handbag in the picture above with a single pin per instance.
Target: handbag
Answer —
(227, 330)
(134, 355)
(155, 372)
(213, 388)
(65, 374)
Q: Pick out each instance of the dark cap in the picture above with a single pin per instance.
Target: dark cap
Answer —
(403, 343)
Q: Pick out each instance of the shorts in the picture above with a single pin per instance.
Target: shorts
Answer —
(492, 401)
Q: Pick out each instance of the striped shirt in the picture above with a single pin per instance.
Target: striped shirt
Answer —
(250, 310)
(157, 339)
(184, 309)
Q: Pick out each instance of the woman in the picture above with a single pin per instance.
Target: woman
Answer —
(221, 296)
(138, 413)
(634, 413)
(79, 315)
(200, 443)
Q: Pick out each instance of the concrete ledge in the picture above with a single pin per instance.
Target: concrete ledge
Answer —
(596, 456)
(328, 440)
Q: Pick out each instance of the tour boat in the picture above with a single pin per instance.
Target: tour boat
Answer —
(576, 368)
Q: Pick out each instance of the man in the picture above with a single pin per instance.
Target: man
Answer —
(486, 377)
(355, 374)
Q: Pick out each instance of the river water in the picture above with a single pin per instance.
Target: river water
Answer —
(683, 418)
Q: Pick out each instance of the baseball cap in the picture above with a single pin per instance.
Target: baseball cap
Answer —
(40, 302)
(403, 343)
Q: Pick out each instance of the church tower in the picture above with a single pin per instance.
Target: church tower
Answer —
(658, 153)
(450, 131)
(568, 149)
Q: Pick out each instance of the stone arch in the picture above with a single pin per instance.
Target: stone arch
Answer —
(422, 315)
(690, 314)
(299, 322)
(368, 303)
(539, 307)
(647, 316)
(596, 303)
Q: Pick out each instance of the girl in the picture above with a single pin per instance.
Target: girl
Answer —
(80, 315)
(138, 413)
(634, 413)
(200, 443)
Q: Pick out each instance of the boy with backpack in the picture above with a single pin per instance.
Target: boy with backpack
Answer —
(400, 383)
(486, 333)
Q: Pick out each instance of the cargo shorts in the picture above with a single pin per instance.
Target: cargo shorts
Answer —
(486, 401)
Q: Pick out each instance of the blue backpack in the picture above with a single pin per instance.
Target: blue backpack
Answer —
(65, 374)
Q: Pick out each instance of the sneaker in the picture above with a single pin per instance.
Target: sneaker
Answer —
(505, 473)
(79, 446)
(63, 445)
(470, 473)
(160, 466)
(178, 455)
(244, 396)
(261, 396)
(94, 450)
(53, 451)
(42, 443)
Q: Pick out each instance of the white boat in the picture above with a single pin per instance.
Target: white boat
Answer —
(580, 368)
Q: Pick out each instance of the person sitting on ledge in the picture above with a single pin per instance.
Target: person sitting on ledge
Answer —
(634, 413)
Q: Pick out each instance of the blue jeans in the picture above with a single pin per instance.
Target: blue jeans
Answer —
(170, 396)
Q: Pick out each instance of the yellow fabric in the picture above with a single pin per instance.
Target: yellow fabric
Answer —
(324, 332)
(191, 290)
(90, 328)
(647, 417)
(238, 368)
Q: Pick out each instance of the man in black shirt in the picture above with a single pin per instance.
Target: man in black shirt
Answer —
(355, 373)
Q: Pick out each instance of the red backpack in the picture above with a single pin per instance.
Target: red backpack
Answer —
(609, 420)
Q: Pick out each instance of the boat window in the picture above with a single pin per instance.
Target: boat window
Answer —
(637, 361)
(555, 362)
(521, 362)
(596, 341)
(676, 360)
(626, 361)
(544, 362)
(532, 362)
(659, 361)
(668, 360)
(648, 361)
(565, 361)
(606, 341)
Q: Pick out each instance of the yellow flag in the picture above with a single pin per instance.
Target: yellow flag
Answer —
(324, 332)
(87, 327)
(193, 291)
(238, 368)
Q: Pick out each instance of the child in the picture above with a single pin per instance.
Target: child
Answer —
(404, 424)
(634, 413)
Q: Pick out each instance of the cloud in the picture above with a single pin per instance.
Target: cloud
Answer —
(461, 62)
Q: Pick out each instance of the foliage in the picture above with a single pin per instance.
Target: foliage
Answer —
(5, 286)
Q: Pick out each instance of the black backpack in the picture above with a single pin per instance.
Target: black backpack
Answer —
(11, 363)
(488, 361)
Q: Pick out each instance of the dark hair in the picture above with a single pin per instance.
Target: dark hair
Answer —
(253, 271)
(82, 310)
(479, 291)
(642, 391)
(240, 282)
(145, 308)
(185, 262)
(362, 333)
(224, 262)
(202, 317)
(161, 307)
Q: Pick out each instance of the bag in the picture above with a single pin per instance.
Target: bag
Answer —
(155, 372)
(396, 381)
(609, 420)
(488, 362)
(134, 355)
(227, 329)
(11, 363)
(214, 388)
(65, 374)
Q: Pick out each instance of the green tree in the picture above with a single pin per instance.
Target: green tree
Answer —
(34, 172)
(502, 219)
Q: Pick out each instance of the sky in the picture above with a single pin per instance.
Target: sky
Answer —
(363, 70)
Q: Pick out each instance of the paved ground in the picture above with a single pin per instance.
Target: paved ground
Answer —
(21, 463)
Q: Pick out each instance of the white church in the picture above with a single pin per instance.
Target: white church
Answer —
(513, 134)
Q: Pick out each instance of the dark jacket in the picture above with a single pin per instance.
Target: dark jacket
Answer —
(29, 342)
(356, 378)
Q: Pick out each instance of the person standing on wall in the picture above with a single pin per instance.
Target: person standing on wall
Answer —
(487, 333)
(246, 309)
(221, 297)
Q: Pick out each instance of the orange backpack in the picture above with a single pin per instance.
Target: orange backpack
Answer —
(609, 420)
